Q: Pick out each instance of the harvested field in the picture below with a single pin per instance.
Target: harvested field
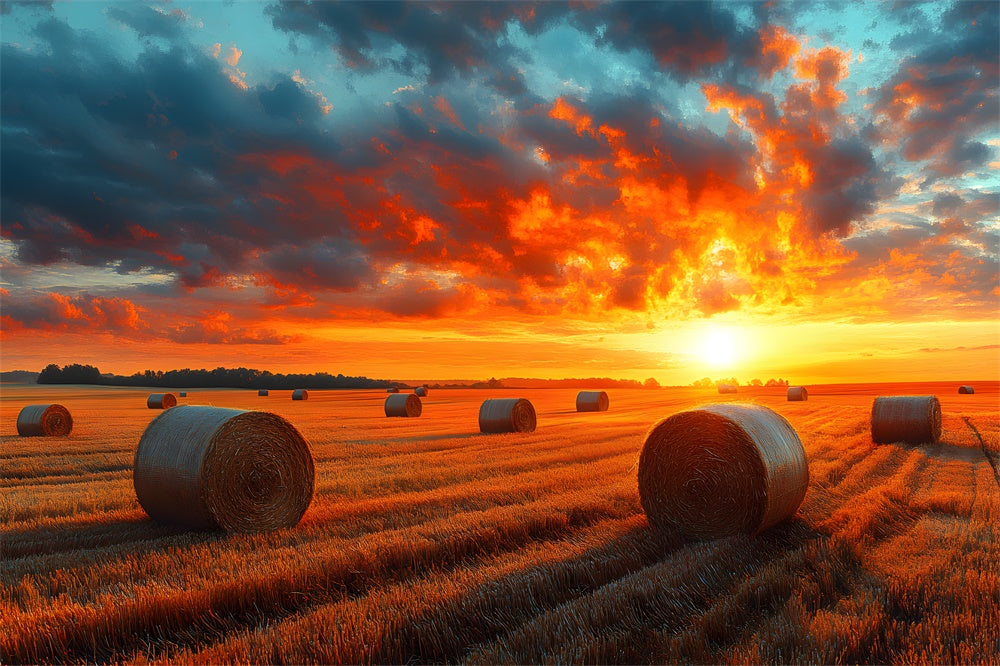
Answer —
(427, 541)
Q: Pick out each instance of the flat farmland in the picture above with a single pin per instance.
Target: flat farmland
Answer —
(427, 541)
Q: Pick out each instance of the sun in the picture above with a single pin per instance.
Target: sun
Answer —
(719, 347)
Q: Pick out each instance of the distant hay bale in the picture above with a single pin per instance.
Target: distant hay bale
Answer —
(403, 404)
(392, 389)
(721, 469)
(507, 415)
(209, 467)
(797, 393)
(966, 390)
(421, 391)
(44, 421)
(300, 394)
(592, 401)
(914, 419)
(261, 392)
(161, 401)
(183, 394)
(727, 388)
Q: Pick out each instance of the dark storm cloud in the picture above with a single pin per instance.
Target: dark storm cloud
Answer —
(149, 21)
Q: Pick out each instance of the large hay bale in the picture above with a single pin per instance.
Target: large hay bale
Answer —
(209, 467)
(721, 469)
(183, 394)
(592, 401)
(797, 393)
(403, 404)
(262, 392)
(161, 401)
(300, 394)
(392, 389)
(507, 415)
(44, 421)
(727, 388)
(915, 419)
(966, 390)
(421, 391)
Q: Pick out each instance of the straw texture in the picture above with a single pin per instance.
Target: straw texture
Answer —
(300, 394)
(507, 415)
(914, 419)
(797, 394)
(721, 469)
(261, 392)
(727, 388)
(209, 467)
(592, 401)
(403, 404)
(44, 421)
(966, 390)
(161, 401)
(421, 391)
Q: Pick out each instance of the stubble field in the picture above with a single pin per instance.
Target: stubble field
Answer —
(429, 542)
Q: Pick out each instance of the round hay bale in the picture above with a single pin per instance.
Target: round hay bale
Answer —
(183, 394)
(727, 388)
(300, 394)
(507, 415)
(44, 421)
(403, 404)
(966, 390)
(592, 401)
(797, 394)
(421, 391)
(392, 389)
(261, 392)
(721, 469)
(161, 401)
(209, 467)
(914, 419)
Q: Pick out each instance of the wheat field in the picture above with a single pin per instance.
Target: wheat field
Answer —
(427, 541)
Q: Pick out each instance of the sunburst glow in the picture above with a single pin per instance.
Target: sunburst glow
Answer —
(720, 348)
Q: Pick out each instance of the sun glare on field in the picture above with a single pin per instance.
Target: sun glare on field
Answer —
(719, 347)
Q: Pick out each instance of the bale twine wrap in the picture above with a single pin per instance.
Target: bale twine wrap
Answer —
(300, 394)
(403, 404)
(797, 394)
(507, 415)
(44, 421)
(721, 469)
(915, 419)
(210, 467)
(392, 389)
(966, 390)
(183, 394)
(261, 392)
(592, 401)
(161, 401)
(727, 388)
(421, 391)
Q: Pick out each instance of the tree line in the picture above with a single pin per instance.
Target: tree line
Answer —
(218, 378)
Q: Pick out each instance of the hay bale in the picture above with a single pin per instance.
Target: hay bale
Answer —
(403, 404)
(261, 392)
(44, 421)
(907, 418)
(966, 390)
(183, 394)
(421, 391)
(507, 415)
(592, 401)
(209, 467)
(300, 394)
(797, 394)
(392, 389)
(727, 388)
(721, 469)
(161, 401)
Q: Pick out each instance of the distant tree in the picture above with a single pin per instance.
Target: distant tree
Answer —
(651, 383)
(70, 374)
(756, 382)
(776, 382)
(50, 374)
(704, 382)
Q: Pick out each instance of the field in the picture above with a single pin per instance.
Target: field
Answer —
(429, 542)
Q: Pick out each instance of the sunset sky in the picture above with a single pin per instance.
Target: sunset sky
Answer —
(441, 191)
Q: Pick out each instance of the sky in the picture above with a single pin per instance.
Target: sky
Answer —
(470, 190)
